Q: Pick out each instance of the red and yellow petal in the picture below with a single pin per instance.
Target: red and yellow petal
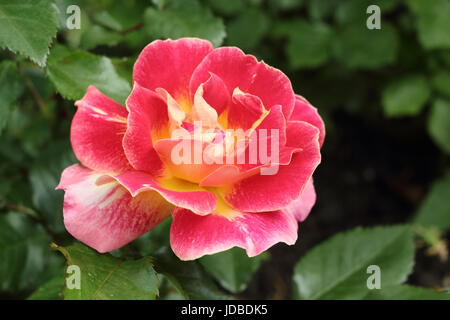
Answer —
(101, 213)
(304, 111)
(193, 236)
(97, 131)
(178, 192)
(169, 64)
(274, 192)
(147, 121)
(257, 78)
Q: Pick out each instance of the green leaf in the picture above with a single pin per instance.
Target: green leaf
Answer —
(337, 268)
(187, 277)
(247, 30)
(11, 87)
(51, 290)
(433, 24)
(73, 72)
(104, 277)
(309, 45)
(439, 124)
(227, 7)
(25, 257)
(320, 9)
(434, 210)
(44, 177)
(97, 36)
(28, 27)
(122, 15)
(406, 96)
(406, 292)
(441, 82)
(358, 47)
(232, 268)
(285, 5)
(184, 18)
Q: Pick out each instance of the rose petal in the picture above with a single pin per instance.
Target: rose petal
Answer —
(301, 207)
(169, 64)
(192, 236)
(244, 110)
(147, 121)
(97, 132)
(101, 213)
(189, 168)
(257, 78)
(304, 111)
(178, 192)
(273, 192)
(215, 93)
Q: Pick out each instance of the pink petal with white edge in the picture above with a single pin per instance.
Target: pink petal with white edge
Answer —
(193, 236)
(175, 191)
(147, 118)
(97, 131)
(304, 111)
(169, 64)
(243, 71)
(301, 207)
(101, 213)
(273, 192)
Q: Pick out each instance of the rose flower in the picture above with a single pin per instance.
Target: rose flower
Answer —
(210, 137)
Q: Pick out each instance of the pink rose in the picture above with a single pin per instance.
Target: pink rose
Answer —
(130, 179)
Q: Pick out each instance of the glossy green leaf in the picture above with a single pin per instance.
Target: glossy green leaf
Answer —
(11, 88)
(406, 292)
(433, 24)
(337, 268)
(72, 72)
(187, 277)
(104, 277)
(184, 18)
(434, 210)
(439, 124)
(51, 290)
(309, 45)
(406, 96)
(232, 268)
(28, 27)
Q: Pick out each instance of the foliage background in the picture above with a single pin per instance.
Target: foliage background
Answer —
(385, 98)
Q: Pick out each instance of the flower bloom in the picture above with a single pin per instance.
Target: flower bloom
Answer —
(128, 180)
